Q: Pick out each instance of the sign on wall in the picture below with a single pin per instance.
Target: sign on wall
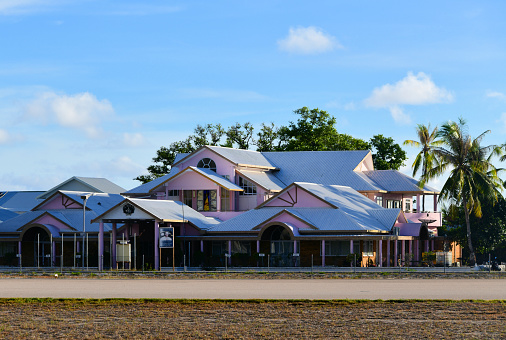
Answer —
(166, 239)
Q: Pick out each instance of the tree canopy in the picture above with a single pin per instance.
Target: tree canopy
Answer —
(314, 130)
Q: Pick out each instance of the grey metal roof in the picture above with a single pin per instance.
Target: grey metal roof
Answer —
(245, 157)
(147, 187)
(85, 184)
(325, 167)
(247, 220)
(173, 211)
(392, 180)
(20, 201)
(98, 202)
(220, 180)
(265, 179)
(180, 156)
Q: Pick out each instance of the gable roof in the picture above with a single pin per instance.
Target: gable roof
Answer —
(239, 157)
(265, 179)
(325, 167)
(6, 214)
(91, 184)
(166, 211)
(395, 181)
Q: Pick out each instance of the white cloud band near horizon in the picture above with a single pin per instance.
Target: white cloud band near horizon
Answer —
(413, 89)
(308, 40)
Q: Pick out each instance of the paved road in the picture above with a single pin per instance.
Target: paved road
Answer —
(255, 289)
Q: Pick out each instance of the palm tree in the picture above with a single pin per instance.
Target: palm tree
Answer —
(426, 157)
(473, 179)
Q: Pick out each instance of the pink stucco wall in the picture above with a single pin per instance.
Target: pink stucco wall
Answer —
(47, 219)
(287, 218)
(223, 166)
(56, 203)
(432, 215)
(301, 198)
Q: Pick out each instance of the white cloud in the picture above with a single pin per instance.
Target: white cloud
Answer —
(308, 40)
(82, 111)
(4, 137)
(13, 7)
(412, 90)
(399, 116)
(133, 139)
(498, 95)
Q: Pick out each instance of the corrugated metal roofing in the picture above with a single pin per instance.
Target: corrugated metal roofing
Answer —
(247, 220)
(173, 210)
(265, 179)
(94, 184)
(147, 187)
(392, 180)
(20, 201)
(222, 181)
(180, 156)
(325, 167)
(6, 214)
(98, 202)
(247, 157)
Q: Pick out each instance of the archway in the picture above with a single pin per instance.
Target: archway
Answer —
(281, 245)
(36, 247)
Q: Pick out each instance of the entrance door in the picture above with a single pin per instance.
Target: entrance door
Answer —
(281, 246)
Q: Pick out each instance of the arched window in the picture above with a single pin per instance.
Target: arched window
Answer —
(207, 163)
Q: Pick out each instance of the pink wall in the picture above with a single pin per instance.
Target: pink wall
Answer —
(56, 203)
(223, 166)
(432, 215)
(190, 180)
(303, 199)
(46, 219)
(287, 218)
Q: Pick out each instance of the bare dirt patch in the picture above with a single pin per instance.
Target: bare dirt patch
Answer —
(145, 319)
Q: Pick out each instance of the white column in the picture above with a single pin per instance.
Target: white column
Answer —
(418, 203)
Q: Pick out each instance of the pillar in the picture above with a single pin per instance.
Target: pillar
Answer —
(380, 253)
(258, 246)
(114, 241)
(417, 251)
(53, 253)
(403, 252)
(19, 253)
(351, 252)
(101, 246)
(410, 249)
(418, 203)
(426, 245)
(432, 245)
(157, 249)
(294, 246)
(388, 254)
(435, 203)
(201, 246)
(396, 254)
(323, 253)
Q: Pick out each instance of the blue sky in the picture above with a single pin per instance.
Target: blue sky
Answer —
(94, 88)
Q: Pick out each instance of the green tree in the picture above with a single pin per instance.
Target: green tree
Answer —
(473, 178)
(239, 136)
(387, 155)
(425, 159)
(267, 138)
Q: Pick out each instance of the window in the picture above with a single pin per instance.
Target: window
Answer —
(368, 248)
(207, 163)
(407, 206)
(206, 200)
(219, 248)
(173, 193)
(379, 200)
(248, 187)
(225, 200)
(337, 248)
(241, 247)
(393, 204)
(187, 198)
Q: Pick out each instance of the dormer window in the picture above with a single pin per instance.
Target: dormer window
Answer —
(207, 163)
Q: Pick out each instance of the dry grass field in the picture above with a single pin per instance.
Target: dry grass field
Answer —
(214, 319)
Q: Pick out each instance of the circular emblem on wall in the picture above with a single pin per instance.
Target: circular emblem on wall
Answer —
(128, 209)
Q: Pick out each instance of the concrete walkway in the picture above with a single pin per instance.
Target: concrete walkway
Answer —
(255, 289)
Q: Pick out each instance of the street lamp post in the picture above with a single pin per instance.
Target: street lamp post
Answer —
(84, 198)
